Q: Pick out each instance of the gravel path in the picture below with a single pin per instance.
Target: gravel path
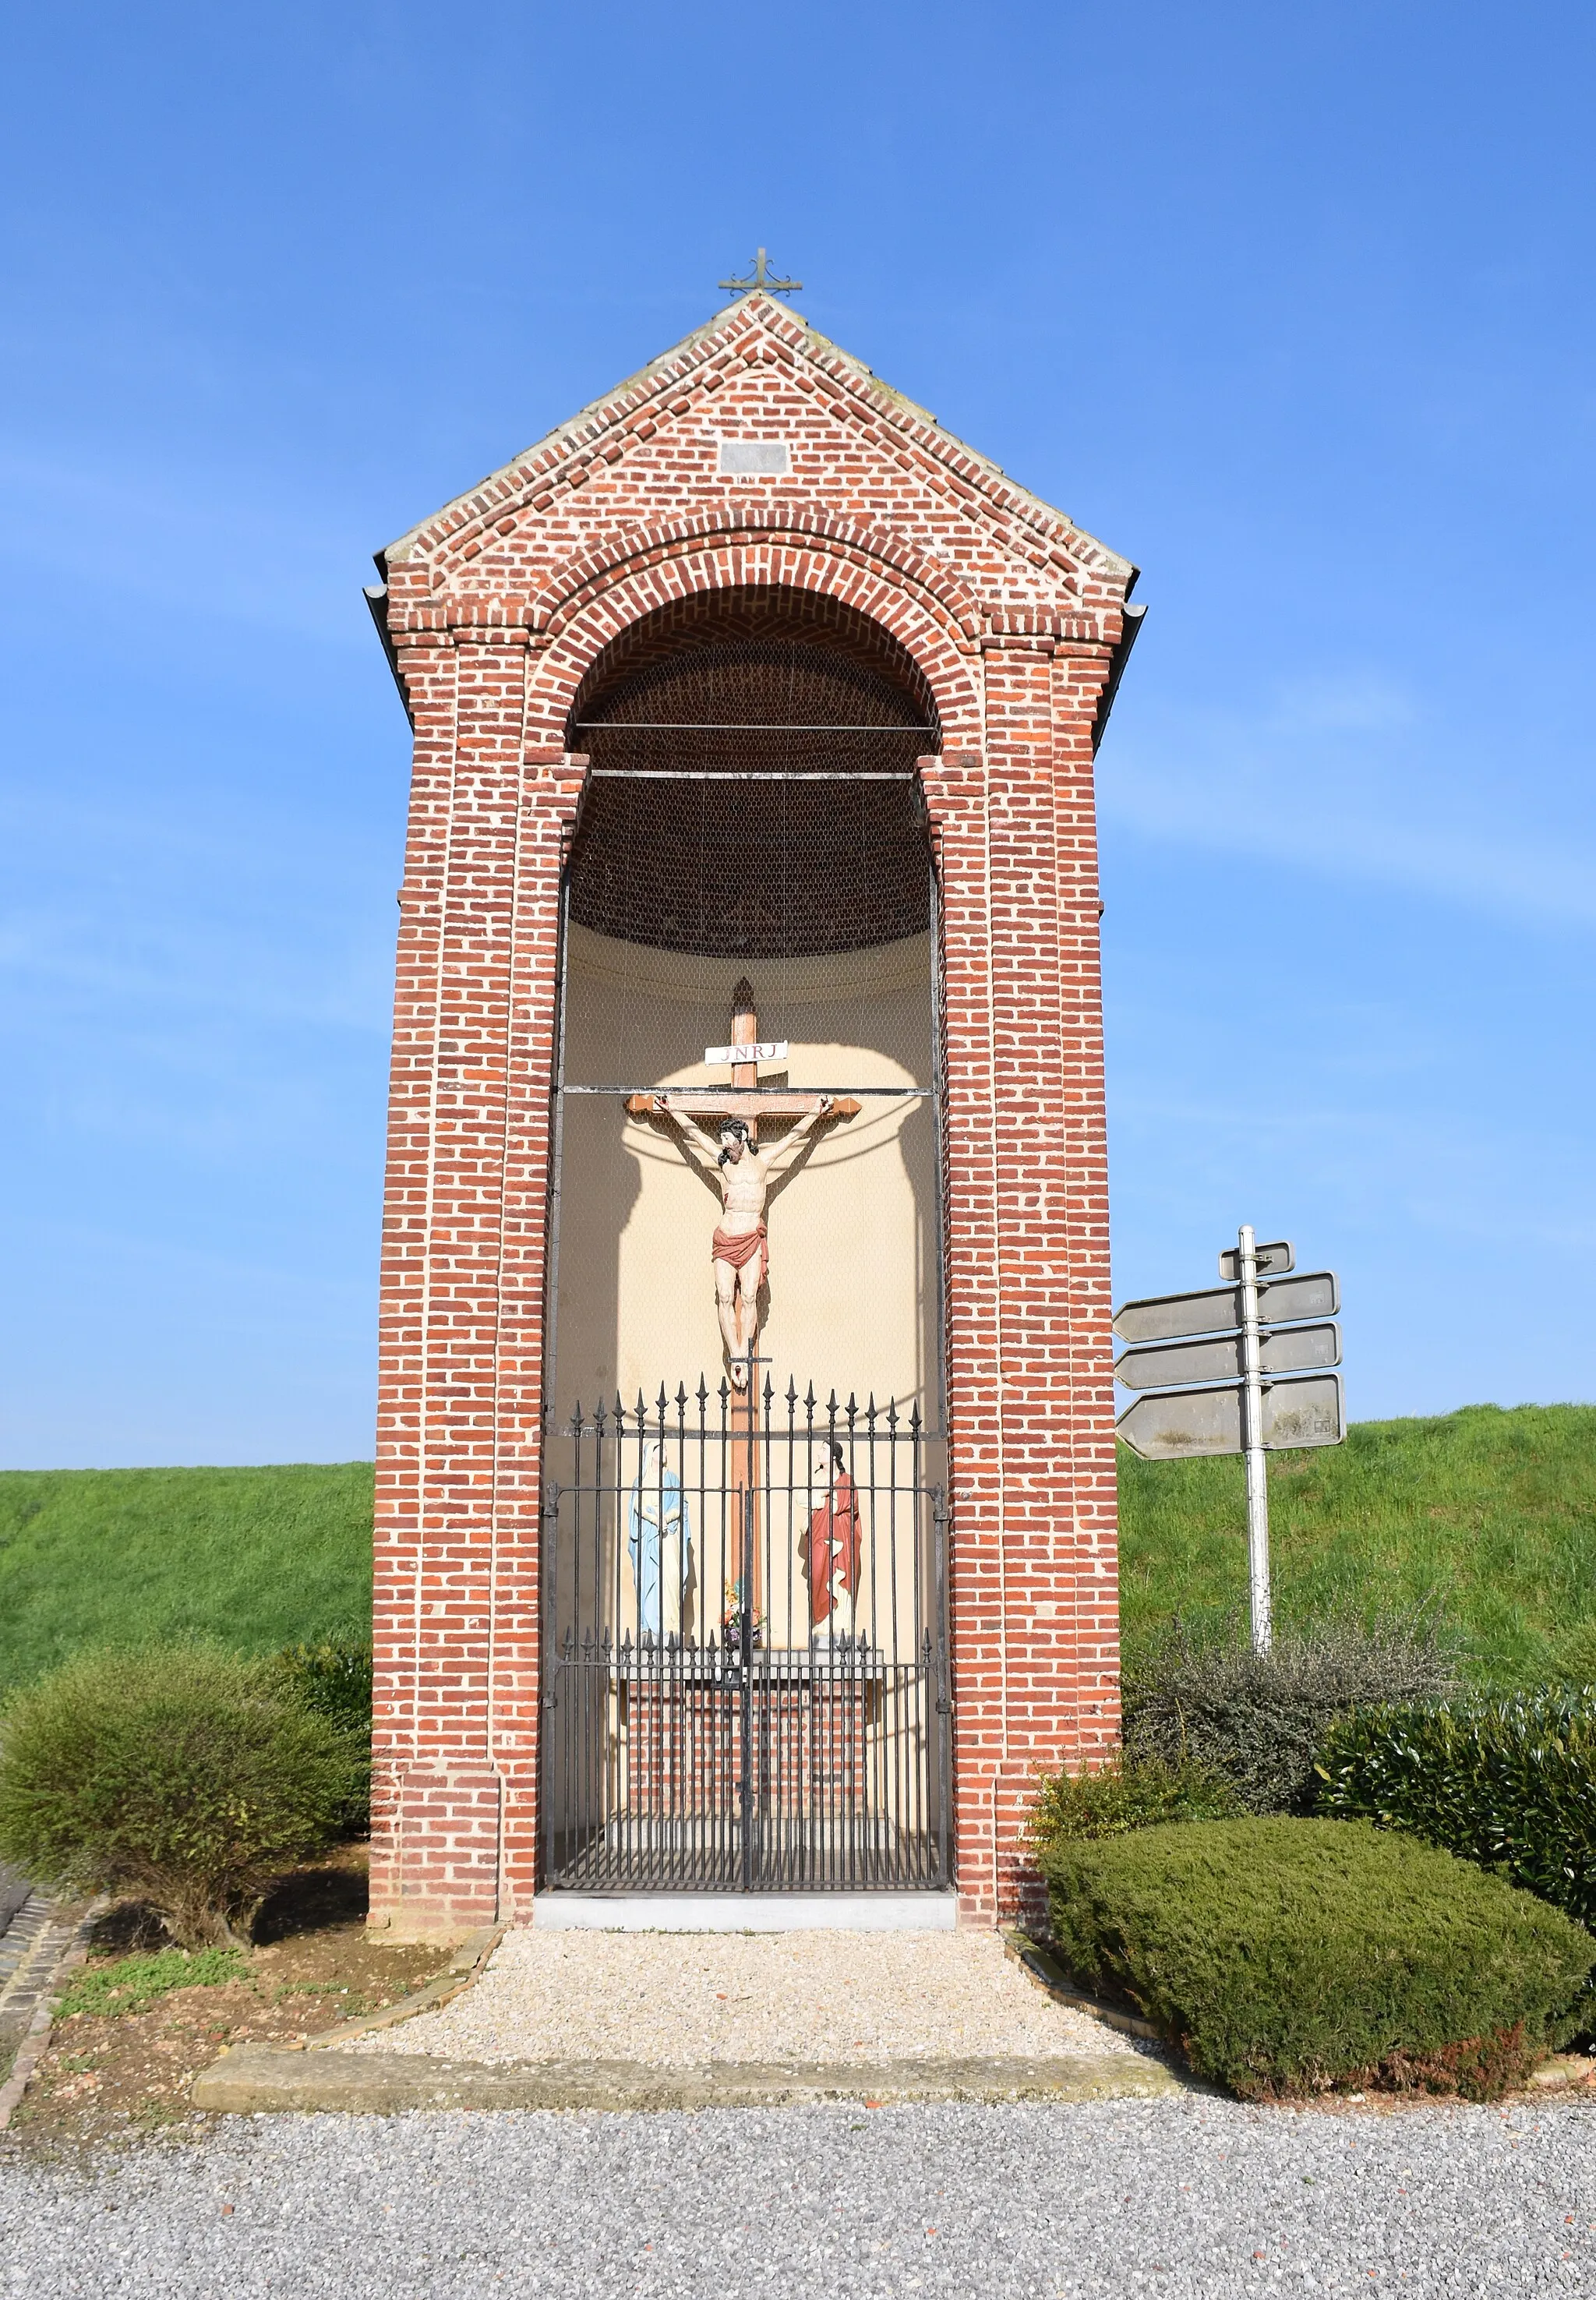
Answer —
(1184, 2197)
(681, 1999)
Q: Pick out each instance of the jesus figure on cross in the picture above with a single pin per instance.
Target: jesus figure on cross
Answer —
(740, 1249)
(744, 1176)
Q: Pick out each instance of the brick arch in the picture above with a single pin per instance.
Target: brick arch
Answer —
(603, 605)
(806, 522)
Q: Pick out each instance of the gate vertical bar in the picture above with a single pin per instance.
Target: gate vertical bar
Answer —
(746, 1694)
(944, 1706)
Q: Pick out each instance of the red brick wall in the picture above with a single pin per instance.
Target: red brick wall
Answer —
(495, 610)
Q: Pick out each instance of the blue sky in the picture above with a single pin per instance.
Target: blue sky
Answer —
(1292, 305)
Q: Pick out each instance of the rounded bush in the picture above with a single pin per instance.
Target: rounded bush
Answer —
(1284, 1956)
(333, 1677)
(181, 1777)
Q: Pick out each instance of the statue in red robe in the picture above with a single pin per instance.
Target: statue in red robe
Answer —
(830, 1549)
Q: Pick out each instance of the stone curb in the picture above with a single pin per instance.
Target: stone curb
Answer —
(57, 1950)
(466, 1967)
(1564, 2070)
(253, 2079)
(1051, 1976)
(20, 1940)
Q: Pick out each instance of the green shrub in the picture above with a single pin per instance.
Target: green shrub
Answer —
(178, 1775)
(1510, 1784)
(132, 1983)
(333, 1677)
(1259, 1719)
(1127, 1796)
(1285, 1956)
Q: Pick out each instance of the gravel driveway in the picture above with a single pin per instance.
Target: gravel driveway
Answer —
(1189, 2196)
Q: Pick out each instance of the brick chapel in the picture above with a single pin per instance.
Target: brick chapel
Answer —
(745, 1490)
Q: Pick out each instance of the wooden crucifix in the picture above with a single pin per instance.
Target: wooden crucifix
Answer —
(743, 1175)
(739, 1250)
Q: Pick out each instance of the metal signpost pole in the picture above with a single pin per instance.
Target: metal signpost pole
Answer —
(1258, 1490)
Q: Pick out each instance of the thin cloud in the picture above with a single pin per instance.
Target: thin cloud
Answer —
(1350, 778)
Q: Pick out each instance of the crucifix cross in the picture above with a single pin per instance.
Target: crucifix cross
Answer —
(745, 1054)
(739, 1252)
(762, 278)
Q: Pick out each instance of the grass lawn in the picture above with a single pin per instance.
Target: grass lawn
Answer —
(1490, 1516)
(255, 1559)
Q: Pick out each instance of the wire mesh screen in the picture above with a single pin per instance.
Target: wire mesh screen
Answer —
(753, 802)
(769, 862)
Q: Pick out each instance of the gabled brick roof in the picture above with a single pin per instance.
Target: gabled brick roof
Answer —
(603, 432)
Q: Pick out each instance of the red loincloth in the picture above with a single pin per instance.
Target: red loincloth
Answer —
(832, 1548)
(739, 1249)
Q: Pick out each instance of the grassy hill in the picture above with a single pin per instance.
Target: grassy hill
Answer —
(1489, 1515)
(252, 1558)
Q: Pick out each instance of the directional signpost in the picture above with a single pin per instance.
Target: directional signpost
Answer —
(1241, 1369)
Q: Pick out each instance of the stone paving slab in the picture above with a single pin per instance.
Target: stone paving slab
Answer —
(254, 2079)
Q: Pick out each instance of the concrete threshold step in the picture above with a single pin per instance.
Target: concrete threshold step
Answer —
(745, 1912)
(255, 2079)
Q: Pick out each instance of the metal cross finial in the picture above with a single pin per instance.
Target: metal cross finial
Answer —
(761, 278)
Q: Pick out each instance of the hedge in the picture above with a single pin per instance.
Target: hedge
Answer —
(1285, 1956)
(1509, 1783)
(332, 1679)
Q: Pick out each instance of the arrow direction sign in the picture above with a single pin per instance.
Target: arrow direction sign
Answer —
(1163, 1317)
(1191, 1421)
(1306, 1412)
(1272, 1260)
(1294, 1349)
(1313, 1295)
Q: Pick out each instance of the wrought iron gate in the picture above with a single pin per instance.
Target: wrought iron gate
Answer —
(745, 1651)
